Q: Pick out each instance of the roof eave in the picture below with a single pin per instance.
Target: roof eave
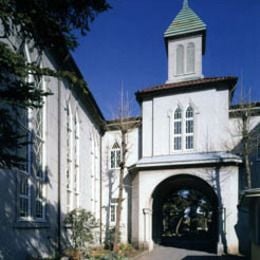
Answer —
(141, 95)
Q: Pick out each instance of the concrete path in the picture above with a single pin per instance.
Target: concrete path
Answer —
(171, 253)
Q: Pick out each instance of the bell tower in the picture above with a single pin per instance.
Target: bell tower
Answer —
(185, 41)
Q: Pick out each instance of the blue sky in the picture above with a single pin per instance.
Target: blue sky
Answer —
(126, 47)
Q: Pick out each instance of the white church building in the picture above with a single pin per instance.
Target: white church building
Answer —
(184, 166)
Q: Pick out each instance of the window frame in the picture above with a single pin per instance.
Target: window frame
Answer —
(35, 170)
(178, 135)
(115, 152)
(184, 135)
(113, 210)
(41, 170)
(28, 217)
(189, 134)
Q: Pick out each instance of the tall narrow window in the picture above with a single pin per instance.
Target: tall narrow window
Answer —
(113, 209)
(35, 152)
(115, 156)
(37, 156)
(189, 138)
(113, 212)
(93, 172)
(177, 129)
(76, 161)
(180, 60)
(69, 171)
(191, 58)
(24, 197)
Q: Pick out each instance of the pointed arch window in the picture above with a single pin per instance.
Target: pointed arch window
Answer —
(180, 60)
(189, 131)
(177, 129)
(115, 156)
(33, 121)
(190, 57)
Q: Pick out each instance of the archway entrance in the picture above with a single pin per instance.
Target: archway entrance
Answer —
(185, 214)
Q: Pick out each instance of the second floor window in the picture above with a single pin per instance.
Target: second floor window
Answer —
(177, 129)
(189, 128)
(115, 156)
(183, 129)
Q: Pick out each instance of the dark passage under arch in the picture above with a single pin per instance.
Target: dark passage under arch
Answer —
(185, 214)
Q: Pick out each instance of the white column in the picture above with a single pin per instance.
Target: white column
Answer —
(147, 216)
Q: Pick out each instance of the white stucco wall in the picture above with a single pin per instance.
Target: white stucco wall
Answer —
(210, 118)
(89, 169)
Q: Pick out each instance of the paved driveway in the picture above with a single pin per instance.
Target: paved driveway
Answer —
(171, 253)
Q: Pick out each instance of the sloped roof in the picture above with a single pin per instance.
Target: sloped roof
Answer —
(190, 85)
(186, 22)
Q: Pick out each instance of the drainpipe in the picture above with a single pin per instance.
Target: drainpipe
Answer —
(59, 172)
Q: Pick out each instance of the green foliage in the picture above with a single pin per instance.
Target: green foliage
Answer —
(186, 211)
(125, 250)
(81, 223)
(42, 25)
(50, 23)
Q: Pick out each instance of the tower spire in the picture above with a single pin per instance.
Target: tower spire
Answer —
(185, 3)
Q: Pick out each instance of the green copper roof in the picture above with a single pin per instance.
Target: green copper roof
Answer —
(187, 21)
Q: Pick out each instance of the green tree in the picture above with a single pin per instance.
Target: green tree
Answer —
(124, 124)
(81, 224)
(43, 25)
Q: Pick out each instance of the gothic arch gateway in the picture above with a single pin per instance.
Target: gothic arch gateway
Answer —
(205, 222)
(185, 213)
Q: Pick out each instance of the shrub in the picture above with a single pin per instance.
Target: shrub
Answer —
(81, 223)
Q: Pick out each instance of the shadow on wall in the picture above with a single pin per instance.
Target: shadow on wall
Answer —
(222, 241)
(24, 239)
(111, 180)
(112, 176)
(128, 189)
(254, 136)
(242, 227)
